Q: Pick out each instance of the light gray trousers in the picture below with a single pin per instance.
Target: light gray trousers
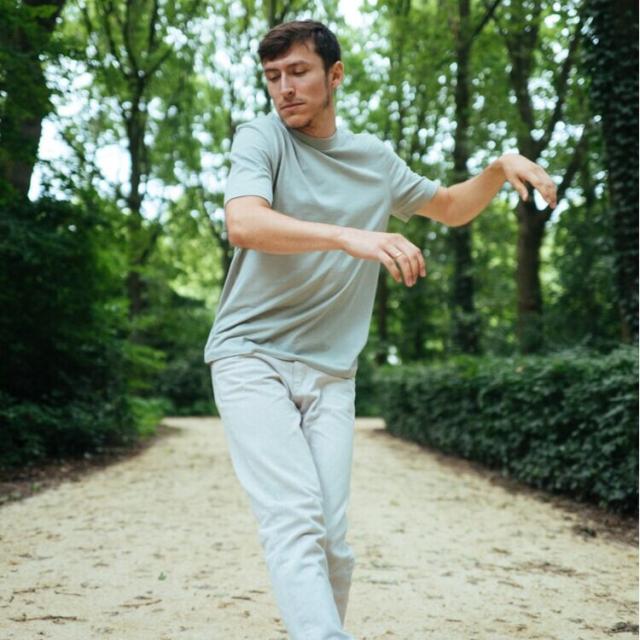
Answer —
(289, 430)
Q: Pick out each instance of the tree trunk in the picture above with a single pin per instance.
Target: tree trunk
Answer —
(382, 304)
(463, 313)
(26, 100)
(464, 317)
(138, 242)
(522, 47)
(531, 226)
(612, 56)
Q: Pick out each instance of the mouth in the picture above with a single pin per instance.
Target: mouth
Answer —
(287, 107)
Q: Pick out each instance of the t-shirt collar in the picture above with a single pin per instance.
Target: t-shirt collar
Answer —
(318, 143)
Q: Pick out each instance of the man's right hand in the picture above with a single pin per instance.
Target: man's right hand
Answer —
(402, 258)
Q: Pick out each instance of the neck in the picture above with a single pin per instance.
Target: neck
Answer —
(322, 126)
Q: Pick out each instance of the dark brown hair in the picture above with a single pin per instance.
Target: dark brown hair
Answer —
(281, 38)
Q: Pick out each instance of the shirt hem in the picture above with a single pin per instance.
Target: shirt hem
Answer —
(211, 357)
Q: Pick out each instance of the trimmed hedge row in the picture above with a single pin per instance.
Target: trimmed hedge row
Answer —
(566, 423)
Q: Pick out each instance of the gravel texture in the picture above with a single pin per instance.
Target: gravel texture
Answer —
(163, 546)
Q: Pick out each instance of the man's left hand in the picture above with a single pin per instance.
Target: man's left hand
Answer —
(518, 171)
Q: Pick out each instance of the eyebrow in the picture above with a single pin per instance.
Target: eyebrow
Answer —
(294, 63)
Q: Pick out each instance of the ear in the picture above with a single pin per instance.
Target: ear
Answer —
(336, 75)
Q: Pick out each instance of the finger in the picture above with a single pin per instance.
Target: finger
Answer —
(540, 179)
(414, 258)
(549, 195)
(405, 267)
(547, 189)
(417, 259)
(390, 265)
(520, 188)
(406, 261)
(552, 192)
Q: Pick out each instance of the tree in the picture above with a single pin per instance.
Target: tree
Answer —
(26, 28)
(465, 28)
(520, 27)
(612, 60)
(391, 90)
(141, 56)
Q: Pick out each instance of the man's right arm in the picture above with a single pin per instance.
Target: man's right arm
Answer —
(253, 224)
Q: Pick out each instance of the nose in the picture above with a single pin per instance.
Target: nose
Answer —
(285, 86)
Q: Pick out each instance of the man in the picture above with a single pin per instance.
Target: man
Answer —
(307, 207)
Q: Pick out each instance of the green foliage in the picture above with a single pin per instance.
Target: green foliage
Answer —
(582, 305)
(57, 428)
(494, 263)
(147, 413)
(565, 423)
(170, 86)
(367, 397)
(62, 373)
(611, 57)
(172, 341)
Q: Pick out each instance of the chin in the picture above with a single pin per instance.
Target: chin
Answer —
(295, 120)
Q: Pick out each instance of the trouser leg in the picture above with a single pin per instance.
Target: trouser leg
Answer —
(327, 405)
(273, 463)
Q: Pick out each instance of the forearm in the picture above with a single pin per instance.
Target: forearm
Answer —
(253, 224)
(264, 229)
(468, 199)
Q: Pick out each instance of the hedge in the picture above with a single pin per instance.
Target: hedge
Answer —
(63, 388)
(566, 423)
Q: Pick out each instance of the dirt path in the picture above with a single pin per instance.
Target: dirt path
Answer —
(162, 546)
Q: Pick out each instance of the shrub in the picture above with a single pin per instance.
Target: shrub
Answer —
(63, 389)
(566, 423)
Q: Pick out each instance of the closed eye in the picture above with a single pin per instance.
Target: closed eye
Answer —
(296, 72)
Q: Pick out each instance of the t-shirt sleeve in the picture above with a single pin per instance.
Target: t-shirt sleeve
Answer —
(409, 191)
(252, 170)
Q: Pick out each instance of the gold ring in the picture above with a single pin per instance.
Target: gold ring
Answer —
(396, 255)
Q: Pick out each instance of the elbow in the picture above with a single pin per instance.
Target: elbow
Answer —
(235, 229)
(449, 216)
(453, 216)
(442, 208)
(455, 222)
(242, 220)
(234, 236)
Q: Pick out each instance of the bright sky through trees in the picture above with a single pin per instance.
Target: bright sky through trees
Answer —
(112, 159)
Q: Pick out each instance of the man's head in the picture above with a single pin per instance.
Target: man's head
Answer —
(301, 61)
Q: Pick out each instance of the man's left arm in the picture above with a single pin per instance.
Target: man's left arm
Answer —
(459, 204)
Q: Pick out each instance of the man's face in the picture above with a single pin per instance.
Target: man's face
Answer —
(299, 87)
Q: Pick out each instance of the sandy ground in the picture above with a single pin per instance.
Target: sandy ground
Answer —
(162, 546)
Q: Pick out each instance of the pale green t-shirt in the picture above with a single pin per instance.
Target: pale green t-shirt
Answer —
(312, 307)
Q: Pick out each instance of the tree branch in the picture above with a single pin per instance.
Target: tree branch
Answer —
(501, 30)
(573, 166)
(484, 20)
(152, 240)
(159, 62)
(561, 83)
(47, 23)
(106, 12)
(285, 10)
(126, 38)
(79, 148)
(152, 28)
